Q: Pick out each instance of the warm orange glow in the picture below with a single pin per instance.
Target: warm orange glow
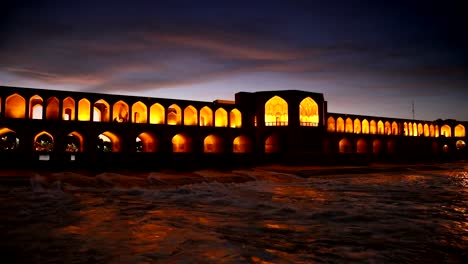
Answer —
(459, 131)
(139, 113)
(426, 130)
(114, 139)
(101, 111)
(436, 129)
(446, 131)
(157, 115)
(120, 112)
(373, 127)
(181, 143)
(276, 112)
(190, 116)
(405, 129)
(388, 128)
(80, 138)
(272, 144)
(344, 146)
(35, 107)
(68, 112)
(206, 116)
(308, 112)
(361, 146)
(174, 115)
(349, 125)
(84, 110)
(221, 118)
(331, 124)
(5, 130)
(431, 130)
(365, 126)
(380, 127)
(235, 118)
(377, 146)
(212, 144)
(148, 142)
(242, 144)
(340, 125)
(357, 126)
(395, 128)
(415, 130)
(420, 129)
(43, 141)
(52, 109)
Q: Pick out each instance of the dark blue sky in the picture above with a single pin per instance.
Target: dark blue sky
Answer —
(367, 57)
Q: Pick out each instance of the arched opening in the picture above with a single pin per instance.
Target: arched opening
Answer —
(388, 128)
(206, 116)
(460, 131)
(35, 107)
(68, 112)
(436, 130)
(221, 118)
(340, 127)
(181, 143)
(373, 127)
(235, 118)
(15, 106)
(395, 128)
(157, 115)
(108, 142)
(420, 129)
(174, 115)
(272, 144)
(349, 125)
(391, 147)
(446, 131)
(52, 109)
(365, 126)
(190, 116)
(120, 112)
(213, 144)
(380, 127)
(331, 124)
(74, 142)
(426, 130)
(44, 142)
(84, 110)
(460, 144)
(357, 126)
(242, 144)
(361, 146)
(406, 131)
(8, 140)
(308, 112)
(146, 142)
(276, 112)
(101, 111)
(377, 146)
(344, 146)
(415, 130)
(139, 113)
(431, 130)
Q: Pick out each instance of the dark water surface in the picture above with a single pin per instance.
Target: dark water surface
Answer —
(411, 216)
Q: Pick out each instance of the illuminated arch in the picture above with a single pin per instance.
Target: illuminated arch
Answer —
(146, 142)
(120, 112)
(242, 144)
(101, 111)
(35, 107)
(395, 128)
(340, 126)
(446, 131)
(361, 146)
(190, 116)
(357, 126)
(426, 130)
(415, 130)
(431, 130)
(365, 126)
(174, 115)
(157, 114)
(459, 131)
(410, 129)
(420, 129)
(68, 112)
(377, 146)
(15, 106)
(460, 144)
(380, 127)
(84, 110)
(388, 128)
(206, 116)
(272, 144)
(344, 146)
(235, 118)
(52, 109)
(349, 125)
(436, 130)
(406, 131)
(109, 142)
(8, 140)
(74, 142)
(139, 113)
(276, 112)
(213, 144)
(221, 118)
(43, 141)
(331, 124)
(373, 127)
(181, 143)
(308, 112)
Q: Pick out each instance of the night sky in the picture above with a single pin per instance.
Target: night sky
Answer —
(366, 57)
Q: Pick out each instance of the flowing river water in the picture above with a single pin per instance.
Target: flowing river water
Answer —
(260, 215)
